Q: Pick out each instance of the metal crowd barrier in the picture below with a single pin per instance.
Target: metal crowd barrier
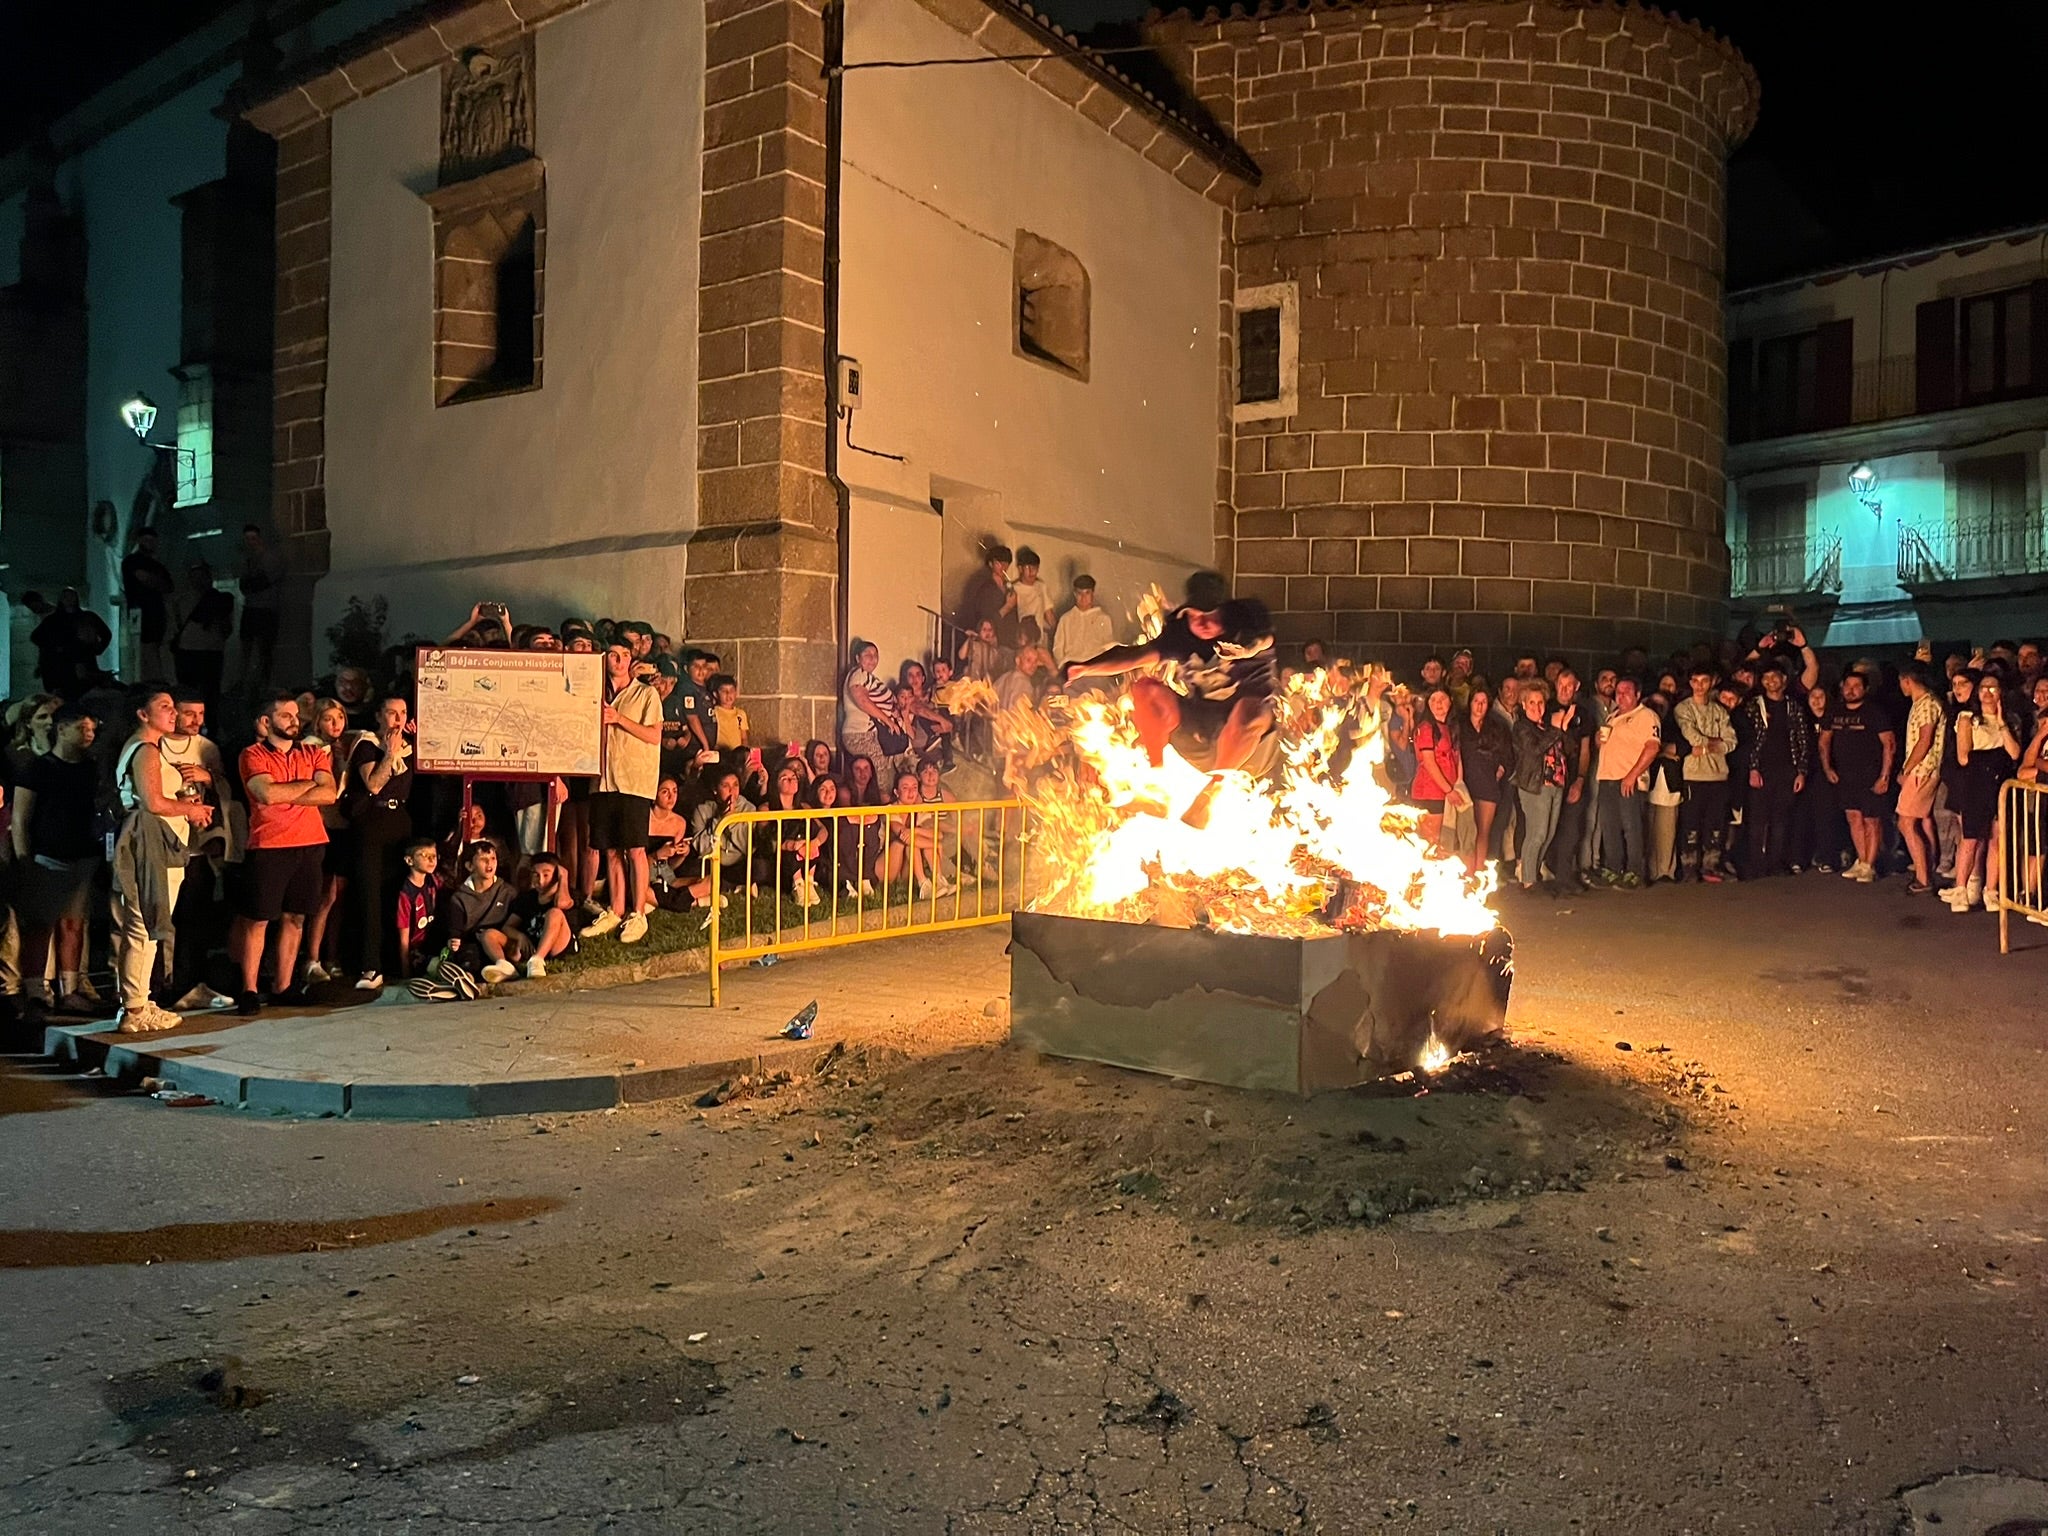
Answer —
(2021, 840)
(976, 847)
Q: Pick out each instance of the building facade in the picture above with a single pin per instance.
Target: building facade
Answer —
(133, 234)
(758, 318)
(1888, 424)
(1500, 227)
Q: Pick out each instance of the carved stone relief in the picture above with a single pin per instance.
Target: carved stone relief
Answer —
(486, 109)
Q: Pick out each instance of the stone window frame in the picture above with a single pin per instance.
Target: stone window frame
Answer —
(1031, 252)
(1286, 297)
(511, 195)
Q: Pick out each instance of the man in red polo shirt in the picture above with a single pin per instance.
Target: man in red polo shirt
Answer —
(286, 782)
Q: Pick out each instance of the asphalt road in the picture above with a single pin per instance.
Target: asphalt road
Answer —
(1777, 1266)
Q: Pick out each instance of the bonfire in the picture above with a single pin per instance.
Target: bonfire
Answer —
(1316, 845)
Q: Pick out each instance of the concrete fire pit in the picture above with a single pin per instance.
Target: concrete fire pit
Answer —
(1251, 1011)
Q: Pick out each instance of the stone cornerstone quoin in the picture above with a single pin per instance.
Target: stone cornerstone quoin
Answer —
(1505, 225)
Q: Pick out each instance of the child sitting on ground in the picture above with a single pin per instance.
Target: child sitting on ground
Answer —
(419, 899)
(541, 911)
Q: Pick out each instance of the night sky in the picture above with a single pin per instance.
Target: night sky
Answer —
(1874, 137)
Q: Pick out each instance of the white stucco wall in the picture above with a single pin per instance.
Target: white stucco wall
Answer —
(576, 497)
(1114, 476)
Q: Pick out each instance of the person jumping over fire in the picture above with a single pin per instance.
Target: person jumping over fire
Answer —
(1220, 718)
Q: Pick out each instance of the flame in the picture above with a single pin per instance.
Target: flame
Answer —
(1435, 1056)
(1318, 842)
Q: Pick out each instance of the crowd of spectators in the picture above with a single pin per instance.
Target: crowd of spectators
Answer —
(239, 843)
(246, 845)
(1727, 763)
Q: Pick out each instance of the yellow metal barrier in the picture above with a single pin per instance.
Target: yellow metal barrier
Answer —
(2016, 855)
(859, 872)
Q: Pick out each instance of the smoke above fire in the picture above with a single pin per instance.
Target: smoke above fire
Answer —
(1319, 843)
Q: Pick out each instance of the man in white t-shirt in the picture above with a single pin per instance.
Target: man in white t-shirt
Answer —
(624, 795)
(1085, 631)
(1629, 739)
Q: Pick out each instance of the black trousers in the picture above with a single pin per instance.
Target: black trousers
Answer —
(369, 929)
(1703, 817)
(1767, 825)
(1819, 830)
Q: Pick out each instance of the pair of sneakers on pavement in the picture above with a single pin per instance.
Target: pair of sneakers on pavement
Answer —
(448, 981)
(631, 930)
(318, 974)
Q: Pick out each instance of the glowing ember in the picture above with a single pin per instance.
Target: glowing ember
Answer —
(1318, 843)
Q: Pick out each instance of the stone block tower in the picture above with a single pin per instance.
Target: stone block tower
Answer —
(1503, 223)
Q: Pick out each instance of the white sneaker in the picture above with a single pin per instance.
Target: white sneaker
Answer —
(1853, 871)
(203, 996)
(603, 924)
(634, 929)
(944, 887)
(499, 970)
(370, 981)
(316, 973)
(924, 890)
(147, 1020)
(1865, 874)
(536, 968)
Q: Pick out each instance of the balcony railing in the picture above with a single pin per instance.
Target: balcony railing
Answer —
(1883, 390)
(1975, 548)
(1785, 567)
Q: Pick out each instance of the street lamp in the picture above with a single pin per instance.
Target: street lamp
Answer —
(139, 415)
(1863, 486)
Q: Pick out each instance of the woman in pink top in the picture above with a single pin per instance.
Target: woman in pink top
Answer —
(1437, 766)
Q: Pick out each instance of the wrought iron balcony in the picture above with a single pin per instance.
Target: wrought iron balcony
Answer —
(1974, 549)
(1785, 567)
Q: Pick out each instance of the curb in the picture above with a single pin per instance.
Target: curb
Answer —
(124, 1058)
(679, 962)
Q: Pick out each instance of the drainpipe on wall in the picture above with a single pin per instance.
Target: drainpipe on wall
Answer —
(834, 17)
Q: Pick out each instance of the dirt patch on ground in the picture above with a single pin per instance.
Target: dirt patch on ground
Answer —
(1512, 1121)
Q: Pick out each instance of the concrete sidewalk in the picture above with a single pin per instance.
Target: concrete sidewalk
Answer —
(551, 1051)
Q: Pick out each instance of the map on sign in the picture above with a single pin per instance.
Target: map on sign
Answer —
(492, 713)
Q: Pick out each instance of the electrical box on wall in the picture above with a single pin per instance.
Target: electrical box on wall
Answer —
(849, 383)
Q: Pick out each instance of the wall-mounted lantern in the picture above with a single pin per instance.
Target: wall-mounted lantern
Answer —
(1863, 486)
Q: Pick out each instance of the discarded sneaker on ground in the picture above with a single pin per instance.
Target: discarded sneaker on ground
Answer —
(427, 990)
(799, 1028)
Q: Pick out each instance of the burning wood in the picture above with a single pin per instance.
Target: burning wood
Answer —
(1316, 845)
